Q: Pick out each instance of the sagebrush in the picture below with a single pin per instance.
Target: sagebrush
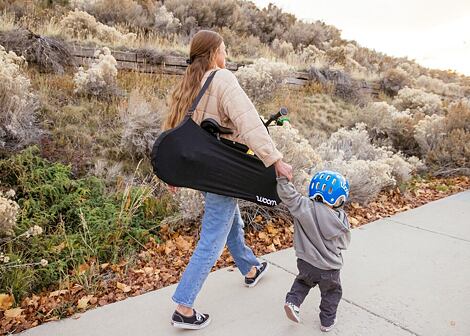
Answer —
(81, 25)
(369, 168)
(100, 79)
(141, 123)
(418, 101)
(18, 103)
(262, 78)
(8, 212)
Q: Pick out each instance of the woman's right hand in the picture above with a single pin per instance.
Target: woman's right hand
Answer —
(172, 189)
(283, 169)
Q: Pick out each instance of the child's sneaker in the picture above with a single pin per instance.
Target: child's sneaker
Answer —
(197, 321)
(326, 329)
(292, 312)
(260, 271)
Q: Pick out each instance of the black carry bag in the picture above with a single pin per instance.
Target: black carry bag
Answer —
(189, 156)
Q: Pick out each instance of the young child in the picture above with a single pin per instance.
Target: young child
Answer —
(321, 232)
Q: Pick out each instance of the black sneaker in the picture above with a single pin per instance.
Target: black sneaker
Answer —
(260, 271)
(197, 321)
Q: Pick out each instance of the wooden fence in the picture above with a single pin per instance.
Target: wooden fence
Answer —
(176, 65)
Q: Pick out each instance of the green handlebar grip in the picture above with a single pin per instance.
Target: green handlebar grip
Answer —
(281, 121)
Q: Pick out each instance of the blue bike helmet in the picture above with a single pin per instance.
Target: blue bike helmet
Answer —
(331, 186)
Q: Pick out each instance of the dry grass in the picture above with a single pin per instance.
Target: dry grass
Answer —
(83, 130)
(286, 97)
(48, 23)
(345, 87)
(321, 115)
(312, 110)
(7, 21)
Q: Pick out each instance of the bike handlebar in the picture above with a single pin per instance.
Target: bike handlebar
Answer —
(274, 117)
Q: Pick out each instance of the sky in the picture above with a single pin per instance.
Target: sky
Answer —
(434, 33)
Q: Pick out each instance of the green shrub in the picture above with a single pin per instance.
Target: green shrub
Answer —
(65, 222)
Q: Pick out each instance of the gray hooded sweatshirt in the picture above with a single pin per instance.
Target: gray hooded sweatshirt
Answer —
(320, 233)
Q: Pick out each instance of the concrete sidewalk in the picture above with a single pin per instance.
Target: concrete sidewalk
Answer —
(405, 275)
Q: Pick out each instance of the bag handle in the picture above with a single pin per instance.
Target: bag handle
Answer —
(200, 94)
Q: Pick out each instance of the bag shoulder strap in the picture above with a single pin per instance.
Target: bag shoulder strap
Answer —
(200, 94)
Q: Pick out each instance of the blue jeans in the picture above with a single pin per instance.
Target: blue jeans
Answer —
(221, 224)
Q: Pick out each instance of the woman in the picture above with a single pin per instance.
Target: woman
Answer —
(226, 102)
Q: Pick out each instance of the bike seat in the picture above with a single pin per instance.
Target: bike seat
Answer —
(213, 127)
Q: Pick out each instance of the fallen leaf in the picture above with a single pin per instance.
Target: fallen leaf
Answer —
(6, 301)
(33, 301)
(276, 241)
(271, 248)
(102, 301)
(58, 292)
(76, 288)
(58, 248)
(169, 247)
(83, 302)
(272, 230)
(13, 313)
(53, 318)
(182, 244)
(103, 266)
(263, 235)
(83, 268)
(148, 270)
(125, 288)
(165, 276)
(177, 262)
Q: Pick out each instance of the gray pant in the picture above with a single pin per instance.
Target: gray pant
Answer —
(330, 288)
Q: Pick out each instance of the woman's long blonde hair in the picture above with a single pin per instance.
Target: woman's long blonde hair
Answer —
(202, 55)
